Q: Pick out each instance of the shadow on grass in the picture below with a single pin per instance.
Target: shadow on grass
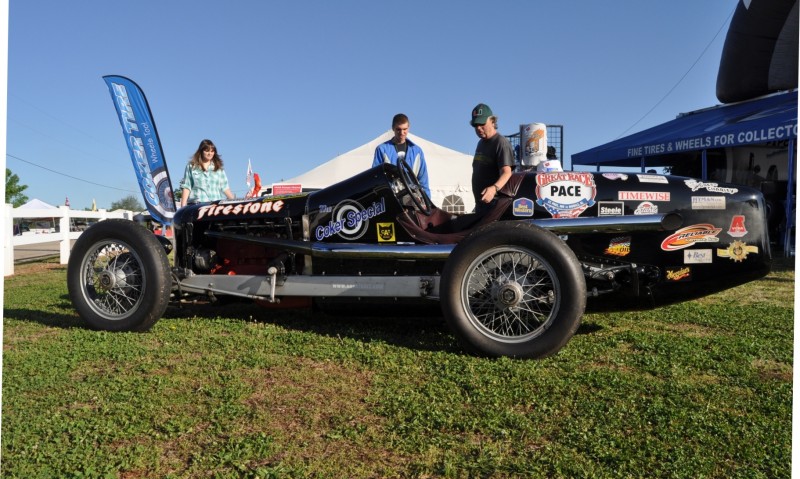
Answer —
(418, 328)
(413, 329)
(45, 318)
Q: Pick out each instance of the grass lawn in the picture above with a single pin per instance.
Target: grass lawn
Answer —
(700, 389)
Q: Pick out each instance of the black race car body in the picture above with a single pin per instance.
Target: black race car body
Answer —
(514, 281)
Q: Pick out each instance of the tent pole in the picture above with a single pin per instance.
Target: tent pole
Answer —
(790, 201)
(704, 165)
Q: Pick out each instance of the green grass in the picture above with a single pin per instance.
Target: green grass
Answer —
(700, 389)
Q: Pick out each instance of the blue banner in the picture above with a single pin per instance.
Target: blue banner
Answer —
(144, 146)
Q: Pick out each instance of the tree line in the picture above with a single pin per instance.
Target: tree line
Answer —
(16, 196)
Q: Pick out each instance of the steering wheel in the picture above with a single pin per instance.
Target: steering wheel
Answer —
(414, 189)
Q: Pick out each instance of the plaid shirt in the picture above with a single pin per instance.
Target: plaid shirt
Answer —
(206, 185)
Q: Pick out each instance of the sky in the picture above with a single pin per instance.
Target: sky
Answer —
(291, 85)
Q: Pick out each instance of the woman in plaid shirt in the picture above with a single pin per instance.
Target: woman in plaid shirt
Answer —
(204, 179)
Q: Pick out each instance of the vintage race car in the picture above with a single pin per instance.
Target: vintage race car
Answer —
(514, 281)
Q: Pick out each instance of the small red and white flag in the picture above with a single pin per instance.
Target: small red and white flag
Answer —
(249, 173)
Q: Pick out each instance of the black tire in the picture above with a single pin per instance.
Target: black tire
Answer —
(118, 276)
(513, 289)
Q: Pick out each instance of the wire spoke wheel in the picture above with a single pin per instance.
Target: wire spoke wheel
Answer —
(113, 279)
(513, 289)
(119, 276)
(511, 294)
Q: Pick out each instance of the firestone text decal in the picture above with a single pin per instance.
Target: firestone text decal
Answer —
(249, 208)
(565, 194)
(685, 237)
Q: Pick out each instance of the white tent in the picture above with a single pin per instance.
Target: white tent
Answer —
(449, 172)
(36, 204)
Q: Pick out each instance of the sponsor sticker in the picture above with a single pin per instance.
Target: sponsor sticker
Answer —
(737, 251)
(653, 179)
(619, 246)
(350, 220)
(643, 196)
(708, 202)
(646, 208)
(685, 237)
(385, 232)
(678, 274)
(697, 256)
(695, 185)
(523, 207)
(615, 176)
(610, 208)
(737, 229)
(565, 194)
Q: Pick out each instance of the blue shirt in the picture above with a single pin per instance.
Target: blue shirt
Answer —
(387, 153)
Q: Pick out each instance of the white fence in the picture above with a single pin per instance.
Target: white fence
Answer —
(64, 233)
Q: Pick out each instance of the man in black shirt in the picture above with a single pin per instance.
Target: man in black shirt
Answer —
(493, 161)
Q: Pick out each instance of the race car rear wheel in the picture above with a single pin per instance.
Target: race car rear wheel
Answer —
(513, 289)
(119, 276)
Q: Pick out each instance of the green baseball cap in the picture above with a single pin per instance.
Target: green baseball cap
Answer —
(480, 114)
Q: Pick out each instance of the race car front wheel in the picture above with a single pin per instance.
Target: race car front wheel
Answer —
(118, 276)
(513, 289)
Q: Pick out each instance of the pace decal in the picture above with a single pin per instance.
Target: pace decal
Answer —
(523, 207)
(695, 185)
(708, 202)
(350, 220)
(237, 209)
(610, 208)
(385, 232)
(653, 179)
(646, 208)
(565, 194)
(737, 229)
(619, 246)
(697, 256)
(685, 237)
(737, 251)
(643, 196)
(678, 274)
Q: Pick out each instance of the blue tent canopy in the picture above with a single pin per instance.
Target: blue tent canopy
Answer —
(761, 120)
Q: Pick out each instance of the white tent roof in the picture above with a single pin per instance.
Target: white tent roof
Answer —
(36, 204)
(449, 171)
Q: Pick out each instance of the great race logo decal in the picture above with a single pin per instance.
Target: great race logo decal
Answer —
(685, 237)
(350, 220)
(565, 194)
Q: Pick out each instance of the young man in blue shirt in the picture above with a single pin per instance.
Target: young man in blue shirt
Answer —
(400, 148)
